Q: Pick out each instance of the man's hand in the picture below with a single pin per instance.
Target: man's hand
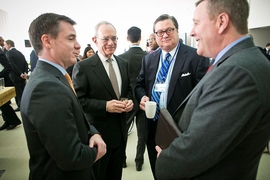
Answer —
(97, 141)
(159, 150)
(115, 106)
(143, 101)
(129, 105)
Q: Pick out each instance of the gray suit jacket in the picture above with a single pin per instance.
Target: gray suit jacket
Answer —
(56, 130)
(94, 89)
(225, 121)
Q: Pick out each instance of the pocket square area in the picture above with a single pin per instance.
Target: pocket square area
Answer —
(185, 74)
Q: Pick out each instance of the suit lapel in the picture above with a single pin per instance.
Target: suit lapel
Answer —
(102, 75)
(178, 65)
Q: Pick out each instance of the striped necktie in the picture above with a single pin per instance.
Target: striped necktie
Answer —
(113, 78)
(161, 78)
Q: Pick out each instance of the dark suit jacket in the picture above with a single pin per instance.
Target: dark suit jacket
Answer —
(225, 121)
(18, 63)
(56, 130)
(7, 69)
(94, 89)
(134, 58)
(189, 68)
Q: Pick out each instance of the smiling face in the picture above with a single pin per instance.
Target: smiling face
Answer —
(106, 40)
(205, 31)
(167, 41)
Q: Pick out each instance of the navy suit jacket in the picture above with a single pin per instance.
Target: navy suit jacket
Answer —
(189, 69)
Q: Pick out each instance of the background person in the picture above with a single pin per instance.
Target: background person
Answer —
(19, 72)
(134, 58)
(9, 116)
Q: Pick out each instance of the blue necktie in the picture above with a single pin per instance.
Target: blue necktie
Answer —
(161, 78)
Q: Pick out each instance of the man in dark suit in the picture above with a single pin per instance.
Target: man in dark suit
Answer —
(9, 115)
(61, 143)
(100, 82)
(18, 75)
(33, 60)
(225, 119)
(134, 57)
(186, 69)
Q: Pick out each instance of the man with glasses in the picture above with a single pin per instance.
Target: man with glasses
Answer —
(101, 81)
(167, 75)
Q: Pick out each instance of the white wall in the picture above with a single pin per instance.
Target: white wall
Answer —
(259, 13)
(87, 13)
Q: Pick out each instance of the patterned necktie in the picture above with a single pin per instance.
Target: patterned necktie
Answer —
(161, 78)
(70, 82)
(113, 78)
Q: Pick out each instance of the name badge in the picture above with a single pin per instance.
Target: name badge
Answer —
(159, 87)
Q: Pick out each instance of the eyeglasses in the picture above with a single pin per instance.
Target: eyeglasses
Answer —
(106, 39)
(151, 40)
(167, 31)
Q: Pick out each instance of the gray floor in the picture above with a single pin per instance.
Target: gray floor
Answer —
(14, 157)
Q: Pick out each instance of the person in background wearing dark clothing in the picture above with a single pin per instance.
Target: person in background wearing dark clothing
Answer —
(266, 51)
(9, 116)
(134, 57)
(18, 75)
(167, 75)
(2, 46)
(225, 121)
(152, 43)
(61, 143)
(33, 60)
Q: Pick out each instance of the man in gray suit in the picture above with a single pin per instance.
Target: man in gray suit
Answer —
(225, 119)
(100, 91)
(61, 143)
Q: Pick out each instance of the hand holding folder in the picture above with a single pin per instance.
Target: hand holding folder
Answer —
(167, 129)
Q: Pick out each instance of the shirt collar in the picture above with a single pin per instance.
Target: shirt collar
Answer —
(63, 71)
(228, 47)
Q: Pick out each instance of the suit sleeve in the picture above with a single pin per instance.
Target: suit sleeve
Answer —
(217, 125)
(81, 84)
(140, 87)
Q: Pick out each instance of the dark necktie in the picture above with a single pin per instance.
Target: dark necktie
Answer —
(161, 78)
(113, 78)
(70, 82)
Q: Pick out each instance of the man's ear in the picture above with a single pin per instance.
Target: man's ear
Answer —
(94, 39)
(222, 22)
(46, 41)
